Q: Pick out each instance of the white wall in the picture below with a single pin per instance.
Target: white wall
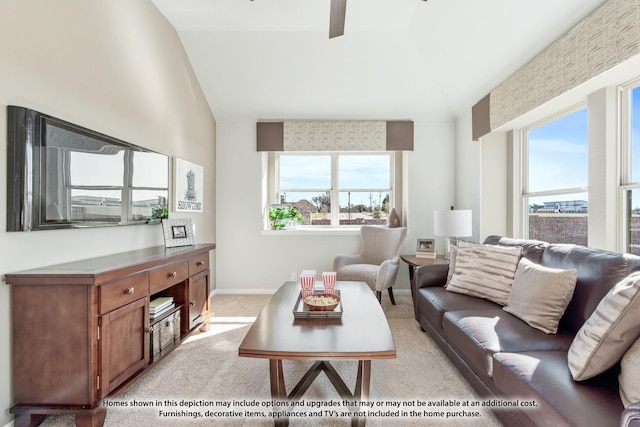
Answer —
(251, 261)
(468, 166)
(116, 67)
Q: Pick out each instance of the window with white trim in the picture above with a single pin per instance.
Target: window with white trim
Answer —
(630, 165)
(333, 189)
(555, 178)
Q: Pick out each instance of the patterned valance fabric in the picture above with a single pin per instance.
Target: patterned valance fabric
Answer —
(324, 135)
(604, 39)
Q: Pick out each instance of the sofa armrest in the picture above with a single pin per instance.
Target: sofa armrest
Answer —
(430, 275)
(424, 276)
(631, 416)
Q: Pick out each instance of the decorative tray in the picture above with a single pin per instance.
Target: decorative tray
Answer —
(300, 311)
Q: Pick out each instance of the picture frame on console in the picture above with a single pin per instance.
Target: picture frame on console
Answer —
(178, 232)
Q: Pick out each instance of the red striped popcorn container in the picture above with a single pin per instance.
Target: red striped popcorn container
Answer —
(329, 281)
(307, 282)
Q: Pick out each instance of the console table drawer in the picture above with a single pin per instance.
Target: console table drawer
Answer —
(198, 263)
(123, 291)
(169, 275)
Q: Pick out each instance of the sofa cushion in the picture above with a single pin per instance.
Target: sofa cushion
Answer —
(531, 249)
(543, 376)
(539, 295)
(598, 271)
(630, 375)
(478, 334)
(484, 271)
(434, 302)
(609, 332)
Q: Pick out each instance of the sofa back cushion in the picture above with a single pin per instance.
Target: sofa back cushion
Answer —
(531, 249)
(597, 271)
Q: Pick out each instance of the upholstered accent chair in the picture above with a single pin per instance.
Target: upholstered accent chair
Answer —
(378, 260)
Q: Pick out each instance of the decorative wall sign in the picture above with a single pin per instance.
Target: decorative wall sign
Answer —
(188, 186)
(178, 232)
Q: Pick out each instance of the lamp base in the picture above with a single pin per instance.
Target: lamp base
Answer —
(448, 242)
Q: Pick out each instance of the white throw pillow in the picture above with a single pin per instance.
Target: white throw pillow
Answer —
(485, 271)
(609, 332)
(629, 377)
(540, 295)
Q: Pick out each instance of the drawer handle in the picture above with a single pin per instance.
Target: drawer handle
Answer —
(200, 263)
(130, 291)
(173, 274)
(192, 303)
(167, 324)
(148, 329)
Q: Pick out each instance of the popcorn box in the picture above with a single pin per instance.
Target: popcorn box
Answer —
(307, 282)
(329, 281)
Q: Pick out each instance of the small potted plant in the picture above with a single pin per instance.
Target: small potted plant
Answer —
(284, 216)
(158, 213)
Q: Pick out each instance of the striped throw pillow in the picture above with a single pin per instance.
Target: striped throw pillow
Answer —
(485, 271)
(609, 332)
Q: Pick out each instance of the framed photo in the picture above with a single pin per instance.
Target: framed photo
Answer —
(178, 232)
(188, 185)
(425, 245)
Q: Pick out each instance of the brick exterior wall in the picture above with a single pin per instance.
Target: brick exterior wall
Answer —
(559, 228)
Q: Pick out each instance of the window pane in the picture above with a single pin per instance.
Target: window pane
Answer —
(91, 169)
(557, 154)
(364, 172)
(96, 205)
(144, 200)
(635, 135)
(358, 207)
(559, 219)
(150, 170)
(315, 207)
(633, 199)
(305, 172)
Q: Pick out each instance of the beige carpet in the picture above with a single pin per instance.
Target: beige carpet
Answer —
(207, 368)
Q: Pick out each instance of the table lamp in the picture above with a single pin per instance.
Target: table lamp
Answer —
(452, 224)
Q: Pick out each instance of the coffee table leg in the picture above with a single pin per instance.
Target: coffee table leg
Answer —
(361, 392)
(278, 390)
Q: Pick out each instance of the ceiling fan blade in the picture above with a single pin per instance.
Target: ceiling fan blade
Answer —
(337, 14)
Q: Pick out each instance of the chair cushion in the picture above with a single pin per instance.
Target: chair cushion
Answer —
(359, 273)
(543, 377)
(478, 334)
(484, 271)
(540, 295)
(609, 332)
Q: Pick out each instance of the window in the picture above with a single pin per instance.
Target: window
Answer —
(555, 180)
(336, 189)
(630, 165)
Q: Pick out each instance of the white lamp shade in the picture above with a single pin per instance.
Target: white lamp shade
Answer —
(452, 223)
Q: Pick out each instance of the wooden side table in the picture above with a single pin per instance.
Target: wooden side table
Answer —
(414, 261)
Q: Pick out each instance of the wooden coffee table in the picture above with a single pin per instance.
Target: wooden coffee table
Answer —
(362, 333)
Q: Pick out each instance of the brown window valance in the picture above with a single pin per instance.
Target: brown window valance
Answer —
(335, 135)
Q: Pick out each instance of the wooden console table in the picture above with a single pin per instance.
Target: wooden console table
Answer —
(81, 330)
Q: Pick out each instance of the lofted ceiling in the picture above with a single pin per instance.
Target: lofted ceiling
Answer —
(397, 59)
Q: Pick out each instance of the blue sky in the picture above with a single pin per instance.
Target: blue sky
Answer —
(356, 172)
(558, 154)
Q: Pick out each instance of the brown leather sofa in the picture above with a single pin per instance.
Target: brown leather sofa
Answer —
(504, 359)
